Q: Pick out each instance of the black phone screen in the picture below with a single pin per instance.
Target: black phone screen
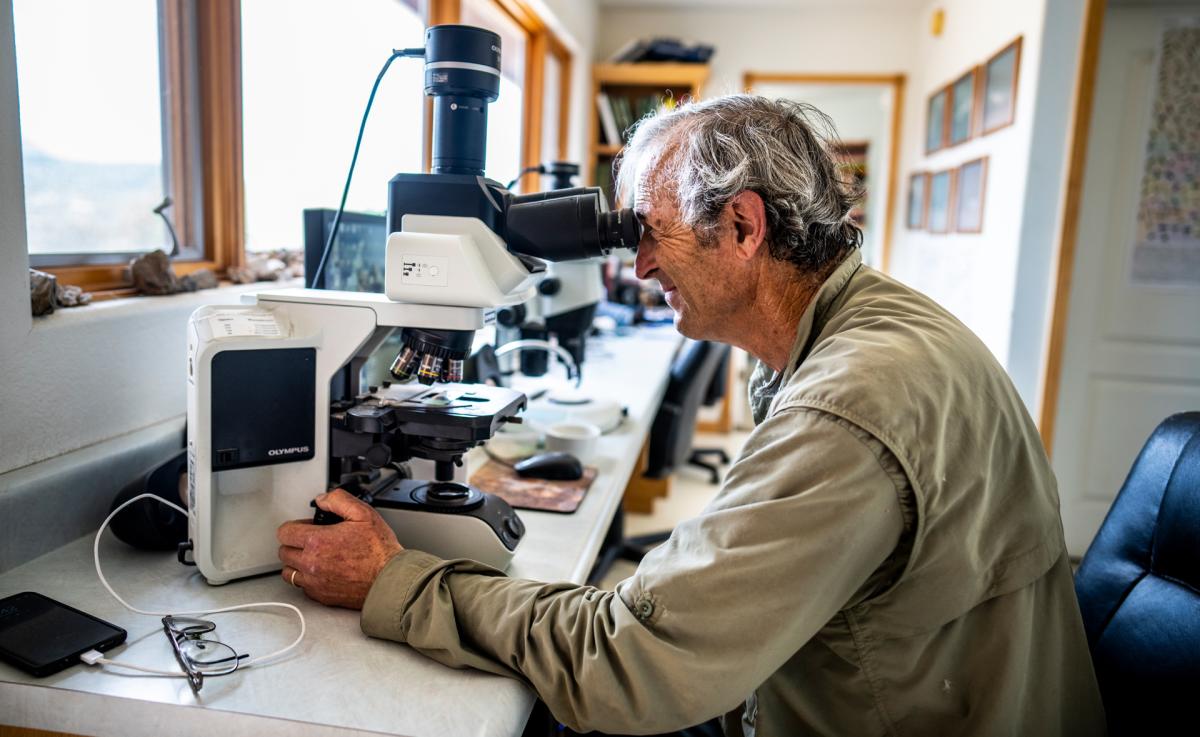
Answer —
(43, 636)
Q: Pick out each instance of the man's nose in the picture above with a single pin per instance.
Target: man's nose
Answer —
(645, 262)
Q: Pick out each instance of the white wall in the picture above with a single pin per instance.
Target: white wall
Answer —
(973, 275)
(866, 40)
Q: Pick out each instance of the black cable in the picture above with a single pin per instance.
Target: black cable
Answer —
(337, 219)
(540, 169)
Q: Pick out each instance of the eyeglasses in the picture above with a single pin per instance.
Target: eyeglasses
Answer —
(197, 655)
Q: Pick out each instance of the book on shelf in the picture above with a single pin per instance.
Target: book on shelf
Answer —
(608, 120)
(624, 111)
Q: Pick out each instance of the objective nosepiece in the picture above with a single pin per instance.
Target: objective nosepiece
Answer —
(432, 355)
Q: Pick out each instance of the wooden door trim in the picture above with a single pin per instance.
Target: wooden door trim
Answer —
(1085, 93)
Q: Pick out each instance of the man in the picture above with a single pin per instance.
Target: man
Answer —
(885, 556)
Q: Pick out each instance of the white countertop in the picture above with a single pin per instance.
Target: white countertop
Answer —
(338, 682)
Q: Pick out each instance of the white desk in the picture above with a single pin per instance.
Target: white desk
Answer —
(339, 682)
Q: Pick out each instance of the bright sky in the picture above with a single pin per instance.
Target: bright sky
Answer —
(88, 79)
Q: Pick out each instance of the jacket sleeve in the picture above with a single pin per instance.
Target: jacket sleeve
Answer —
(806, 515)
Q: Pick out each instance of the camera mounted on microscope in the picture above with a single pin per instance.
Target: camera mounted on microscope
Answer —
(462, 75)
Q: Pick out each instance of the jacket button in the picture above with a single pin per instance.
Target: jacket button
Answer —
(645, 608)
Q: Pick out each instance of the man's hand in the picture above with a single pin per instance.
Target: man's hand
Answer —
(336, 564)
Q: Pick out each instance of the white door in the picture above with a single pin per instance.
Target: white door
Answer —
(1132, 351)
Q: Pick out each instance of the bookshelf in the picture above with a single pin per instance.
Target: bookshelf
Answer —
(628, 92)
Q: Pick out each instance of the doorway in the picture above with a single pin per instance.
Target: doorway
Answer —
(1124, 349)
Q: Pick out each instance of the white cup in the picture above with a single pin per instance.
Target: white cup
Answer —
(514, 441)
(576, 438)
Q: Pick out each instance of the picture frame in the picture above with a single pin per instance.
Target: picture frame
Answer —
(937, 112)
(918, 200)
(941, 201)
(963, 107)
(970, 190)
(999, 89)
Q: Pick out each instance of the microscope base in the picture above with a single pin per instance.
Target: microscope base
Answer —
(479, 526)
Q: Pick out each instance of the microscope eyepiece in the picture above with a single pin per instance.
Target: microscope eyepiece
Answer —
(567, 224)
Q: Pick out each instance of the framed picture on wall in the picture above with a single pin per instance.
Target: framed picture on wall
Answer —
(941, 196)
(918, 188)
(971, 183)
(935, 125)
(1000, 87)
(964, 107)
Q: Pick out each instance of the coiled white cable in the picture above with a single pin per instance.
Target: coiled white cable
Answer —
(131, 666)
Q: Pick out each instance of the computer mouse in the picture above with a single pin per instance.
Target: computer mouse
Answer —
(551, 466)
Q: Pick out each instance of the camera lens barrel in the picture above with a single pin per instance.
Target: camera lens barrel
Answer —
(462, 75)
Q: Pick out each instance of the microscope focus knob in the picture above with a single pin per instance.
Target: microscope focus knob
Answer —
(510, 317)
(550, 286)
(378, 455)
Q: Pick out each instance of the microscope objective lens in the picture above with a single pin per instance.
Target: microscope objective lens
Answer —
(431, 369)
(405, 364)
(453, 371)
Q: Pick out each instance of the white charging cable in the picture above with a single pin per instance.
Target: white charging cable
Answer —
(93, 657)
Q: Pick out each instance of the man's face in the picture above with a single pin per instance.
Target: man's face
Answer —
(700, 282)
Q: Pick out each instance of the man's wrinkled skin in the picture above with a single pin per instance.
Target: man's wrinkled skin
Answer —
(730, 290)
(336, 564)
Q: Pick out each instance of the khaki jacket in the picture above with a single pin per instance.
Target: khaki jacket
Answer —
(885, 557)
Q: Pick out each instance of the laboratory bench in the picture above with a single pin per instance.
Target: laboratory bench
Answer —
(338, 681)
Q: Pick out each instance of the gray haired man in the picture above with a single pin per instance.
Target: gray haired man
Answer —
(885, 556)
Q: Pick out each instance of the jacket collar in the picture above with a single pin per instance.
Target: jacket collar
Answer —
(765, 382)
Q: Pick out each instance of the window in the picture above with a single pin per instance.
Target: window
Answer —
(92, 130)
(556, 102)
(244, 113)
(506, 115)
(307, 69)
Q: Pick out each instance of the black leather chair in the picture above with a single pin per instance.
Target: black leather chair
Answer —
(696, 379)
(1139, 588)
(671, 434)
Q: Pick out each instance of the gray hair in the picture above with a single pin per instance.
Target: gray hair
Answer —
(709, 152)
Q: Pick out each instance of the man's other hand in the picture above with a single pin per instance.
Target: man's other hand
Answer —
(336, 564)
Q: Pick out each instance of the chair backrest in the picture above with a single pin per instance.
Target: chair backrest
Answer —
(720, 381)
(1139, 586)
(675, 424)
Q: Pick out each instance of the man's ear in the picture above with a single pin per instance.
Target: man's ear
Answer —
(749, 223)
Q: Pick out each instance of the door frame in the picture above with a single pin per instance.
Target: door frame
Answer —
(896, 81)
(1085, 93)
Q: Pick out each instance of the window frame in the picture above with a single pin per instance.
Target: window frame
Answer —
(200, 45)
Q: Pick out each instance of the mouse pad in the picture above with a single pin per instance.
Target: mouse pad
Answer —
(540, 494)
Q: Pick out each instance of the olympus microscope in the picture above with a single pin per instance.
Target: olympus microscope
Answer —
(276, 408)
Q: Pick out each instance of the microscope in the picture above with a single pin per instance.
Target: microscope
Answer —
(277, 410)
(566, 301)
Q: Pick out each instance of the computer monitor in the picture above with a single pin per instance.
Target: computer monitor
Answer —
(356, 260)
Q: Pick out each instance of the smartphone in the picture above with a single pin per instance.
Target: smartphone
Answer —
(42, 636)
